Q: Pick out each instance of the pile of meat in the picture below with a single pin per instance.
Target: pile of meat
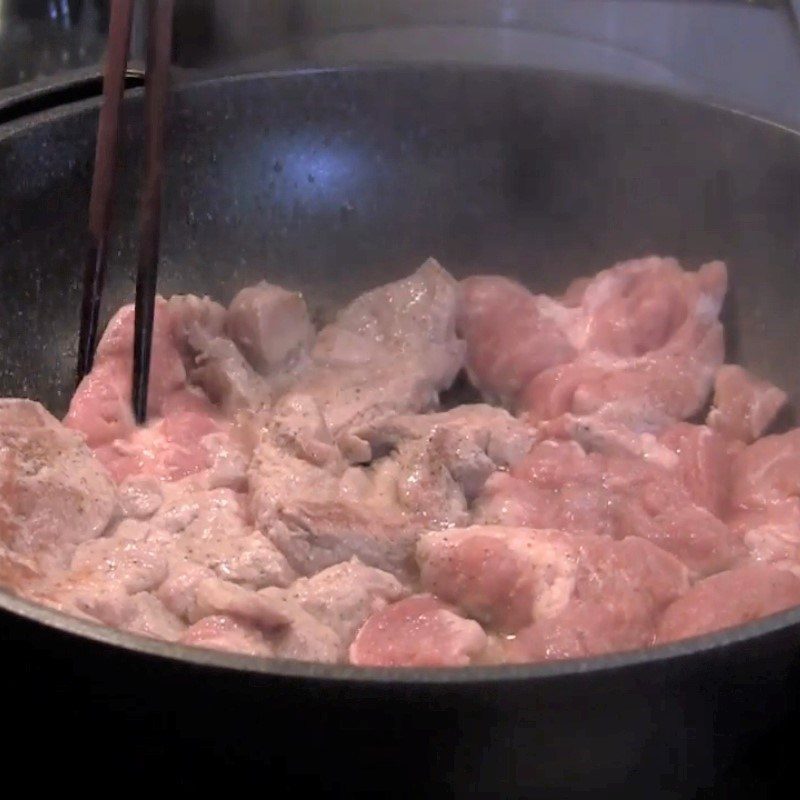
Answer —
(302, 494)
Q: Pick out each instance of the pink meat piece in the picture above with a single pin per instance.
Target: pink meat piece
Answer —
(765, 497)
(609, 439)
(169, 448)
(650, 344)
(653, 504)
(100, 408)
(638, 345)
(730, 598)
(419, 631)
(620, 590)
(771, 534)
(16, 571)
(505, 577)
(510, 339)
(646, 305)
(744, 405)
(558, 485)
(172, 445)
(767, 472)
(703, 464)
(224, 632)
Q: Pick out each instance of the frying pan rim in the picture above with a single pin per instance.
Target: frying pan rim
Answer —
(192, 81)
(340, 673)
(715, 643)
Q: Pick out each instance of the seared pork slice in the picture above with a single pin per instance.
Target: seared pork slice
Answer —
(140, 496)
(212, 360)
(392, 350)
(314, 536)
(595, 435)
(134, 557)
(151, 618)
(109, 580)
(344, 595)
(16, 571)
(226, 376)
(419, 631)
(744, 405)
(197, 553)
(730, 598)
(53, 493)
(620, 589)
(471, 441)
(226, 616)
(187, 313)
(214, 596)
(295, 457)
(319, 511)
(210, 528)
(304, 637)
(271, 326)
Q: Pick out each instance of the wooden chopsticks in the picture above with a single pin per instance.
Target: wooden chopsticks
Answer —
(159, 50)
(105, 164)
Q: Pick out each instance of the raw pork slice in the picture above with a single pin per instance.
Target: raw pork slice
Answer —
(419, 631)
(744, 405)
(620, 590)
(728, 599)
(638, 345)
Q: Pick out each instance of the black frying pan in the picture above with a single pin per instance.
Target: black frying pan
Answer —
(333, 182)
